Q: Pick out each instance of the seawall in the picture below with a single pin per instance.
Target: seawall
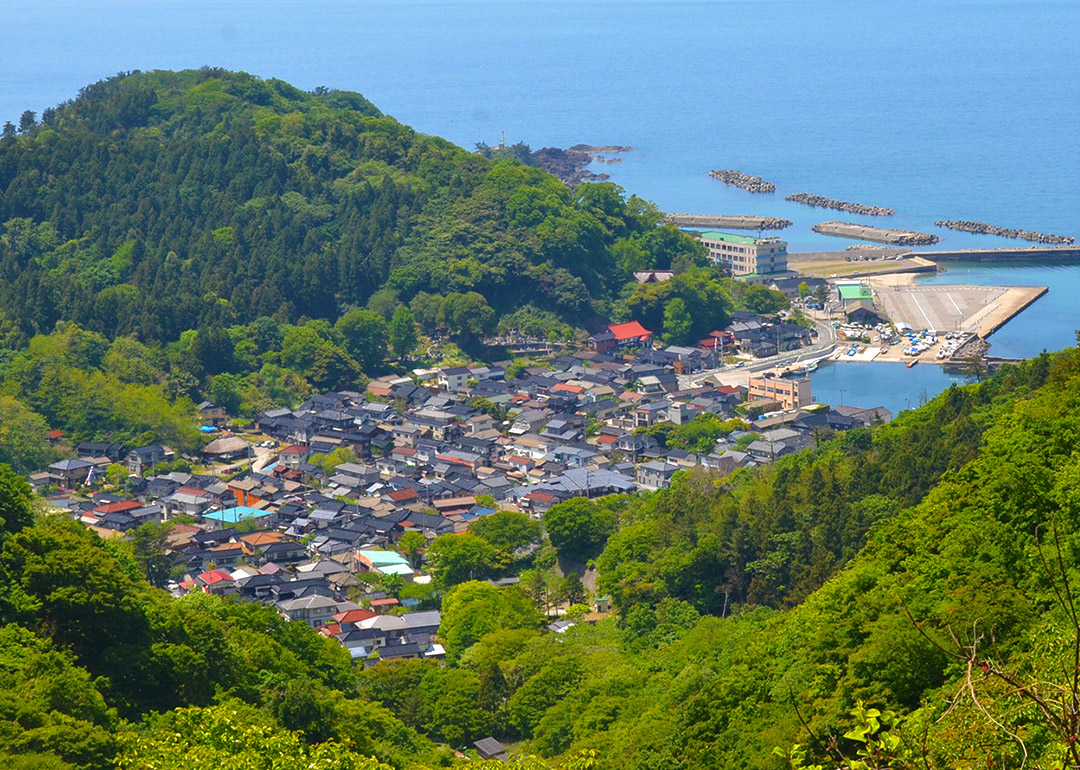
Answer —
(1028, 253)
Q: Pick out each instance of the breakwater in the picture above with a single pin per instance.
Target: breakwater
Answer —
(752, 184)
(876, 234)
(821, 202)
(729, 222)
(983, 228)
(1049, 254)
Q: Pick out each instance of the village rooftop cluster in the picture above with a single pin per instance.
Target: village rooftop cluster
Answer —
(434, 451)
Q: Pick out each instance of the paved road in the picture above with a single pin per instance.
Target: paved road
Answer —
(823, 348)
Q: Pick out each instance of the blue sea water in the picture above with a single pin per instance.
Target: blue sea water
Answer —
(940, 109)
(866, 383)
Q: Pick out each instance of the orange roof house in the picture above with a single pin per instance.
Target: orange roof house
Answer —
(631, 333)
(354, 616)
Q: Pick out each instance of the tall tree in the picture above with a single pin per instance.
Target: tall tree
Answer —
(457, 558)
(677, 322)
(27, 121)
(403, 338)
(364, 333)
(151, 547)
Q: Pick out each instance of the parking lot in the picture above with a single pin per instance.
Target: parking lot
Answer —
(940, 308)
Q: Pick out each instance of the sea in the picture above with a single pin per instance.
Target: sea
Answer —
(940, 109)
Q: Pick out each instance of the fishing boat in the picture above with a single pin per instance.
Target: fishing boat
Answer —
(912, 363)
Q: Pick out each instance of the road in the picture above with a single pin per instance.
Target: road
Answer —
(731, 375)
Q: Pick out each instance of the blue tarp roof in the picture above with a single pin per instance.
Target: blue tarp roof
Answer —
(236, 515)
(208, 429)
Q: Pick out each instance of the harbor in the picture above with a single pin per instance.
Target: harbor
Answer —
(914, 323)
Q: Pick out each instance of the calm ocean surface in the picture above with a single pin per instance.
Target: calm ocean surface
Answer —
(940, 109)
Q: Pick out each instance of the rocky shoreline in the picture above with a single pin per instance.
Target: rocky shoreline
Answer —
(982, 228)
(877, 234)
(732, 178)
(735, 222)
(821, 202)
(570, 165)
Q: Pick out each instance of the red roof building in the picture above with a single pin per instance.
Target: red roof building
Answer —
(330, 629)
(631, 333)
(354, 616)
(400, 496)
(215, 576)
(123, 505)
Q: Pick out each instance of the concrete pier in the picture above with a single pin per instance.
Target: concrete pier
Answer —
(977, 310)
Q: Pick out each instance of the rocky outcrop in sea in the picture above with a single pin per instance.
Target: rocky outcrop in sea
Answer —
(983, 228)
(752, 184)
(569, 165)
(821, 202)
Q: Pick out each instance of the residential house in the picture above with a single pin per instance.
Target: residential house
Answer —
(647, 415)
(314, 610)
(656, 474)
(212, 414)
(145, 458)
(115, 452)
(294, 455)
(455, 378)
(68, 473)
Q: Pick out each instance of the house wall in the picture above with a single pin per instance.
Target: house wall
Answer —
(791, 394)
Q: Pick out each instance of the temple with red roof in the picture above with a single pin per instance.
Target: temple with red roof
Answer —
(624, 335)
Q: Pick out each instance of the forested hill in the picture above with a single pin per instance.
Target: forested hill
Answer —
(160, 202)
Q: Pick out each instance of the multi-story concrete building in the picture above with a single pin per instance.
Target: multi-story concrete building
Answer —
(745, 255)
(791, 394)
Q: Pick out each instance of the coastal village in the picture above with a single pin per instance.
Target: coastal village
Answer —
(305, 509)
(262, 516)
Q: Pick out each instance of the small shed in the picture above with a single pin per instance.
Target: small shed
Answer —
(489, 748)
(862, 312)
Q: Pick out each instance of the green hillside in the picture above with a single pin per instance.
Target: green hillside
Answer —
(159, 202)
(170, 237)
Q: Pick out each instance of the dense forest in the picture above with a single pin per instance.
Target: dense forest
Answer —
(161, 202)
